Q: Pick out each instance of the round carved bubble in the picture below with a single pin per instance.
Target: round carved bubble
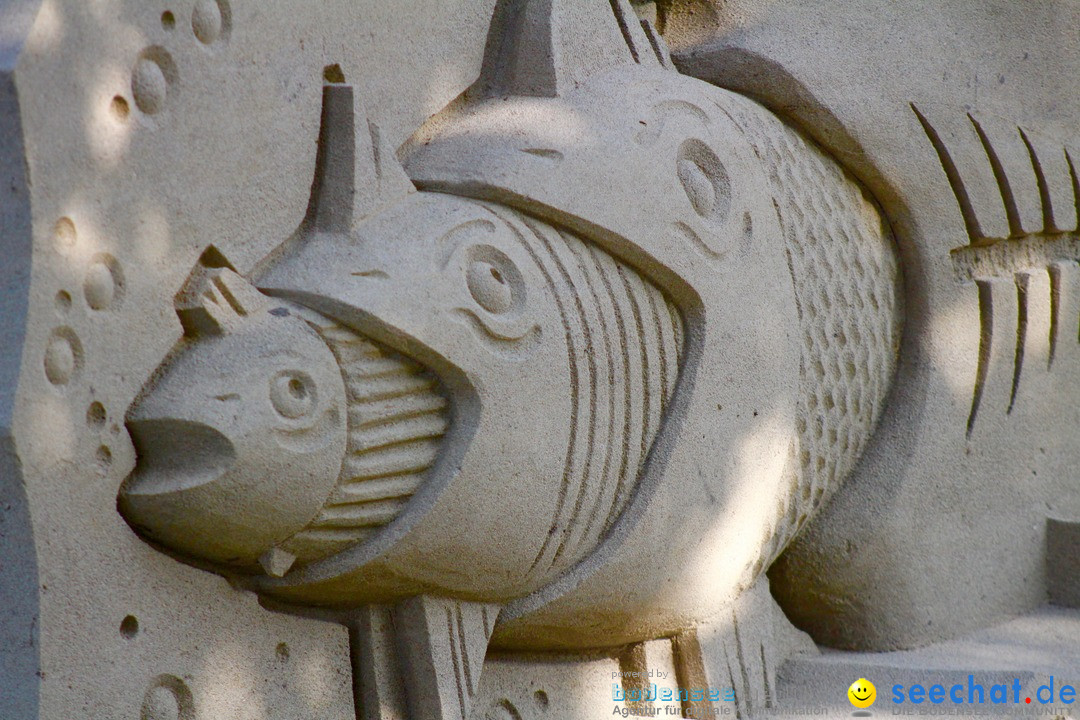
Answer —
(292, 394)
(63, 301)
(208, 21)
(129, 626)
(151, 79)
(63, 356)
(104, 457)
(704, 179)
(541, 699)
(149, 86)
(120, 108)
(64, 234)
(96, 415)
(104, 282)
(168, 20)
(168, 698)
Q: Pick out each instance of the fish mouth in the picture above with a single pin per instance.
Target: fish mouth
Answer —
(399, 413)
(175, 454)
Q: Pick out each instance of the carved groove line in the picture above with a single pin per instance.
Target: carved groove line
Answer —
(612, 356)
(522, 236)
(986, 258)
(624, 342)
(620, 437)
(1022, 280)
(1054, 272)
(986, 337)
(581, 416)
(557, 251)
(1008, 197)
(1040, 181)
(956, 182)
(621, 19)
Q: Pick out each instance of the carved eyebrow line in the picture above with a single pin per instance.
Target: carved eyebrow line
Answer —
(681, 107)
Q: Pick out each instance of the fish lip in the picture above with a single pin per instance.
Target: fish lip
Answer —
(175, 454)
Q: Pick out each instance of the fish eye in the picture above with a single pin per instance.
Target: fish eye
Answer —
(292, 394)
(493, 280)
(489, 288)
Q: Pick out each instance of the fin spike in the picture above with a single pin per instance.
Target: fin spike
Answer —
(543, 48)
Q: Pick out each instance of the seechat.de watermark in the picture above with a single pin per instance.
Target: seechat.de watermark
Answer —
(976, 693)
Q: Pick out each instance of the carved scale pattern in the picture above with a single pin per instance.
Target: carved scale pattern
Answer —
(846, 274)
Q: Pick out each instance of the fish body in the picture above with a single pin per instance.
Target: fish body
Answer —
(627, 337)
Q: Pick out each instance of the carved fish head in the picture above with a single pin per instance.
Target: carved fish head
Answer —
(240, 437)
(560, 362)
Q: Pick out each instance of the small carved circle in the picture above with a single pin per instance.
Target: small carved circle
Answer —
(63, 356)
(152, 79)
(104, 282)
(704, 179)
(504, 710)
(103, 457)
(149, 86)
(96, 415)
(282, 652)
(168, 20)
(207, 21)
(292, 394)
(119, 107)
(168, 698)
(160, 704)
(129, 626)
(63, 301)
(64, 234)
(541, 699)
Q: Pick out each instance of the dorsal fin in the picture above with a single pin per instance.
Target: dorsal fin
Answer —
(355, 173)
(543, 48)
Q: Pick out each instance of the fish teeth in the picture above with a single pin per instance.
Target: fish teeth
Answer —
(385, 387)
(385, 488)
(393, 409)
(397, 417)
(361, 515)
(400, 459)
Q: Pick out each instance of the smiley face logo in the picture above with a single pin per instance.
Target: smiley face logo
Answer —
(862, 693)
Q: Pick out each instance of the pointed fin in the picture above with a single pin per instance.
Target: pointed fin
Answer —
(214, 299)
(377, 688)
(543, 48)
(642, 47)
(421, 659)
(741, 649)
(355, 171)
(330, 208)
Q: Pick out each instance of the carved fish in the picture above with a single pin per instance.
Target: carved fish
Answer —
(630, 333)
(333, 404)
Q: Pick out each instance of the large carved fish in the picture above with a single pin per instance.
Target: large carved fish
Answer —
(591, 378)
